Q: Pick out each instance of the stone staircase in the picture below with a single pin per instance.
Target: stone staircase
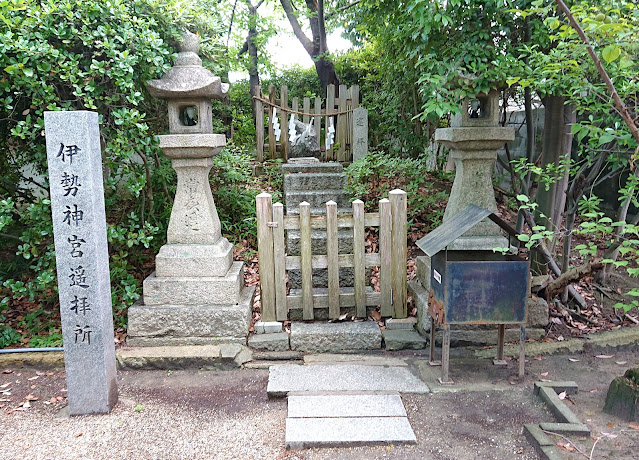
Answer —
(338, 405)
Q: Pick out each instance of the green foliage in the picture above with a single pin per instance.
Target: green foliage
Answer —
(53, 339)
(235, 190)
(89, 55)
(373, 176)
(8, 336)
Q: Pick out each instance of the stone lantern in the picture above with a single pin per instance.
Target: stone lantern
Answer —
(197, 294)
(473, 139)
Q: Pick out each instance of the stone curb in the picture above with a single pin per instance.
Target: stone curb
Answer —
(624, 337)
(569, 423)
(607, 340)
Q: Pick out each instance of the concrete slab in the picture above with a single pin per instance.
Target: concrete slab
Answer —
(284, 379)
(340, 432)
(335, 337)
(344, 405)
(403, 339)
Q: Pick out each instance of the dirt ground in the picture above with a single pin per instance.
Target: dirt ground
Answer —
(227, 415)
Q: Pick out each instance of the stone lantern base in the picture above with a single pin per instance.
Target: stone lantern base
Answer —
(192, 310)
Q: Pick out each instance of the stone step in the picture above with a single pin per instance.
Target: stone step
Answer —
(345, 405)
(312, 168)
(315, 181)
(335, 337)
(304, 433)
(291, 378)
(318, 242)
(316, 198)
(320, 296)
(318, 211)
(344, 432)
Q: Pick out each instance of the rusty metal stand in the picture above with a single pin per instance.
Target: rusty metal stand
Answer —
(501, 337)
(445, 379)
(522, 350)
(431, 359)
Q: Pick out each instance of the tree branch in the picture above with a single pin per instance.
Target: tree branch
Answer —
(623, 110)
(297, 28)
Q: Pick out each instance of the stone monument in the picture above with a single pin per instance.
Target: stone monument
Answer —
(197, 294)
(82, 260)
(360, 133)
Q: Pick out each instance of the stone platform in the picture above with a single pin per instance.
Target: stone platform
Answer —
(335, 337)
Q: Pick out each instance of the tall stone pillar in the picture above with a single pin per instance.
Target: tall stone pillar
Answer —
(197, 294)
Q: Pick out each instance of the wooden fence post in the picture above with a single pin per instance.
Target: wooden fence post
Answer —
(332, 253)
(279, 255)
(385, 267)
(399, 252)
(330, 108)
(359, 265)
(284, 124)
(259, 125)
(307, 109)
(318, 120)
(307, 261)
(342, 126)
(271, 132)
(264, 208)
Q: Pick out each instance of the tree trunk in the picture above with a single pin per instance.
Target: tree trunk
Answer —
(316, 48)
(251, 48)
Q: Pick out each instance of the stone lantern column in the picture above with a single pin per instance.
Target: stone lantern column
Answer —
(197, 294)
(473, 139)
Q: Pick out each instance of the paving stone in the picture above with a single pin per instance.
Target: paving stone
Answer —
(335, 337)
(365, 360)
(271, 342)
(268, 327)
(340, 432)
(184, 357)
(551, 453)
(398, 339)
(401, 323)
(284, 379)
(345, 405)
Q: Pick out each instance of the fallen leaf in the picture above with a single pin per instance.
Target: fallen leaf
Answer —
(7, 371)
(30, 397)
(609, 435)
(376, 315)
(5, 385)
(594, 390)
(53, 400)
(544, 374)
(35, 377)
(562, 395)
(545, 380)
(538, 358)
(25, 404)
(560, 338)
(574, 360)
(604, 356)
(77, 435)
(610, 425)
(621, 363)
(634, 425)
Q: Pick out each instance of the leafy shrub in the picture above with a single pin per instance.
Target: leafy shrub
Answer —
(89, 55)
(8, 336)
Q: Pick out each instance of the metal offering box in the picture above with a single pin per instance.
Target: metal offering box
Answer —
(472, 286)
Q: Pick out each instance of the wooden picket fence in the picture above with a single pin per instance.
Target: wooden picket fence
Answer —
(390, 258)
(340, 107)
